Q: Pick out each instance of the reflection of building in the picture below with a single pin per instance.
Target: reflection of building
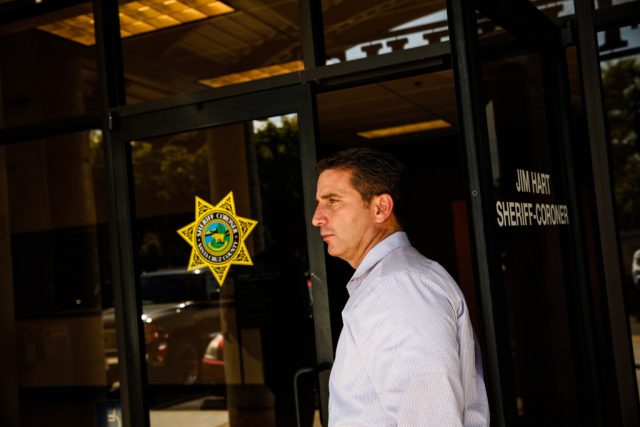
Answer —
(103, 147)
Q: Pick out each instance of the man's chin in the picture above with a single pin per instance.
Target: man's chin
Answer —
(333, 251)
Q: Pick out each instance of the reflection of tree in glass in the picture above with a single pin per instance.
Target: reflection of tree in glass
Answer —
(166, 170)
(171, 167)
(278, 154)
(621, 86)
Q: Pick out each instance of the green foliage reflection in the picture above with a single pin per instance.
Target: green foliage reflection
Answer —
(621, 86)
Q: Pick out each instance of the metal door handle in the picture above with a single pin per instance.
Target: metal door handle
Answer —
(303, 371)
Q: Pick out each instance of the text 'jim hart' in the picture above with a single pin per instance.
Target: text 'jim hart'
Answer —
(532, 182)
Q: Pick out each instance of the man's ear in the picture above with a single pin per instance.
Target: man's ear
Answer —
(383, 205)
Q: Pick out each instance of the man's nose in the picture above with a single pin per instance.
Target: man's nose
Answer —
(318, 217)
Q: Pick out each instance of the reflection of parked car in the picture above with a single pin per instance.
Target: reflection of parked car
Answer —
(635, 268)
(180, 315)
(212, 371)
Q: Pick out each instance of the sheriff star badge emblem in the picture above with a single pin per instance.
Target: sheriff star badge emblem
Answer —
(217, 237)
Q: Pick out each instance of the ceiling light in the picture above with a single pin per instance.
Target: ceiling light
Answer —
(410, 128)
(139, 17)
(254, 74)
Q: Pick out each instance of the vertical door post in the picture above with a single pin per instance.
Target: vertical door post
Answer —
(324, 344)
(473, 131)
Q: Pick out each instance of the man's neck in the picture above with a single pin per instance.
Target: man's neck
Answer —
(378, 237)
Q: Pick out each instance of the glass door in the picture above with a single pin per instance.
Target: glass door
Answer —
(527, 233)
(223, 266)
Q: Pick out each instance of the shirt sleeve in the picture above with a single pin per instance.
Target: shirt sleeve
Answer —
(406, 333)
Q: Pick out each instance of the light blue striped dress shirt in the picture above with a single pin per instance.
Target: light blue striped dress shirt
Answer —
(406, 354)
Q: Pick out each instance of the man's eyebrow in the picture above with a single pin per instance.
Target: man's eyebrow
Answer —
(329, 195)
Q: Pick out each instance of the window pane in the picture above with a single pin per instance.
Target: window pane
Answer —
(618, 42)
(601, 4)
(231, 349)
(43, 74)
(178, 46)
(621, 92)
(55, 254)
(359, 29)
(620, 66)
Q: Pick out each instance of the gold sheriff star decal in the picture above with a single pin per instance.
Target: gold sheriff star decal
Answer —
(217, 237)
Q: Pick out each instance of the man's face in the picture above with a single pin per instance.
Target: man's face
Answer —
(345, 220)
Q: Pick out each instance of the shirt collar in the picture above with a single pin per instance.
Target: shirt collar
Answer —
(396, 240)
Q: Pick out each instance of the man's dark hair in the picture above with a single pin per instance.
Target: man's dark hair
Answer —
(374, 172)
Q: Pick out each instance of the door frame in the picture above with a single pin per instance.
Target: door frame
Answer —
(298, 99)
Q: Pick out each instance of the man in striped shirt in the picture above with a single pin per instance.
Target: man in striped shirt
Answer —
(406, 354)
